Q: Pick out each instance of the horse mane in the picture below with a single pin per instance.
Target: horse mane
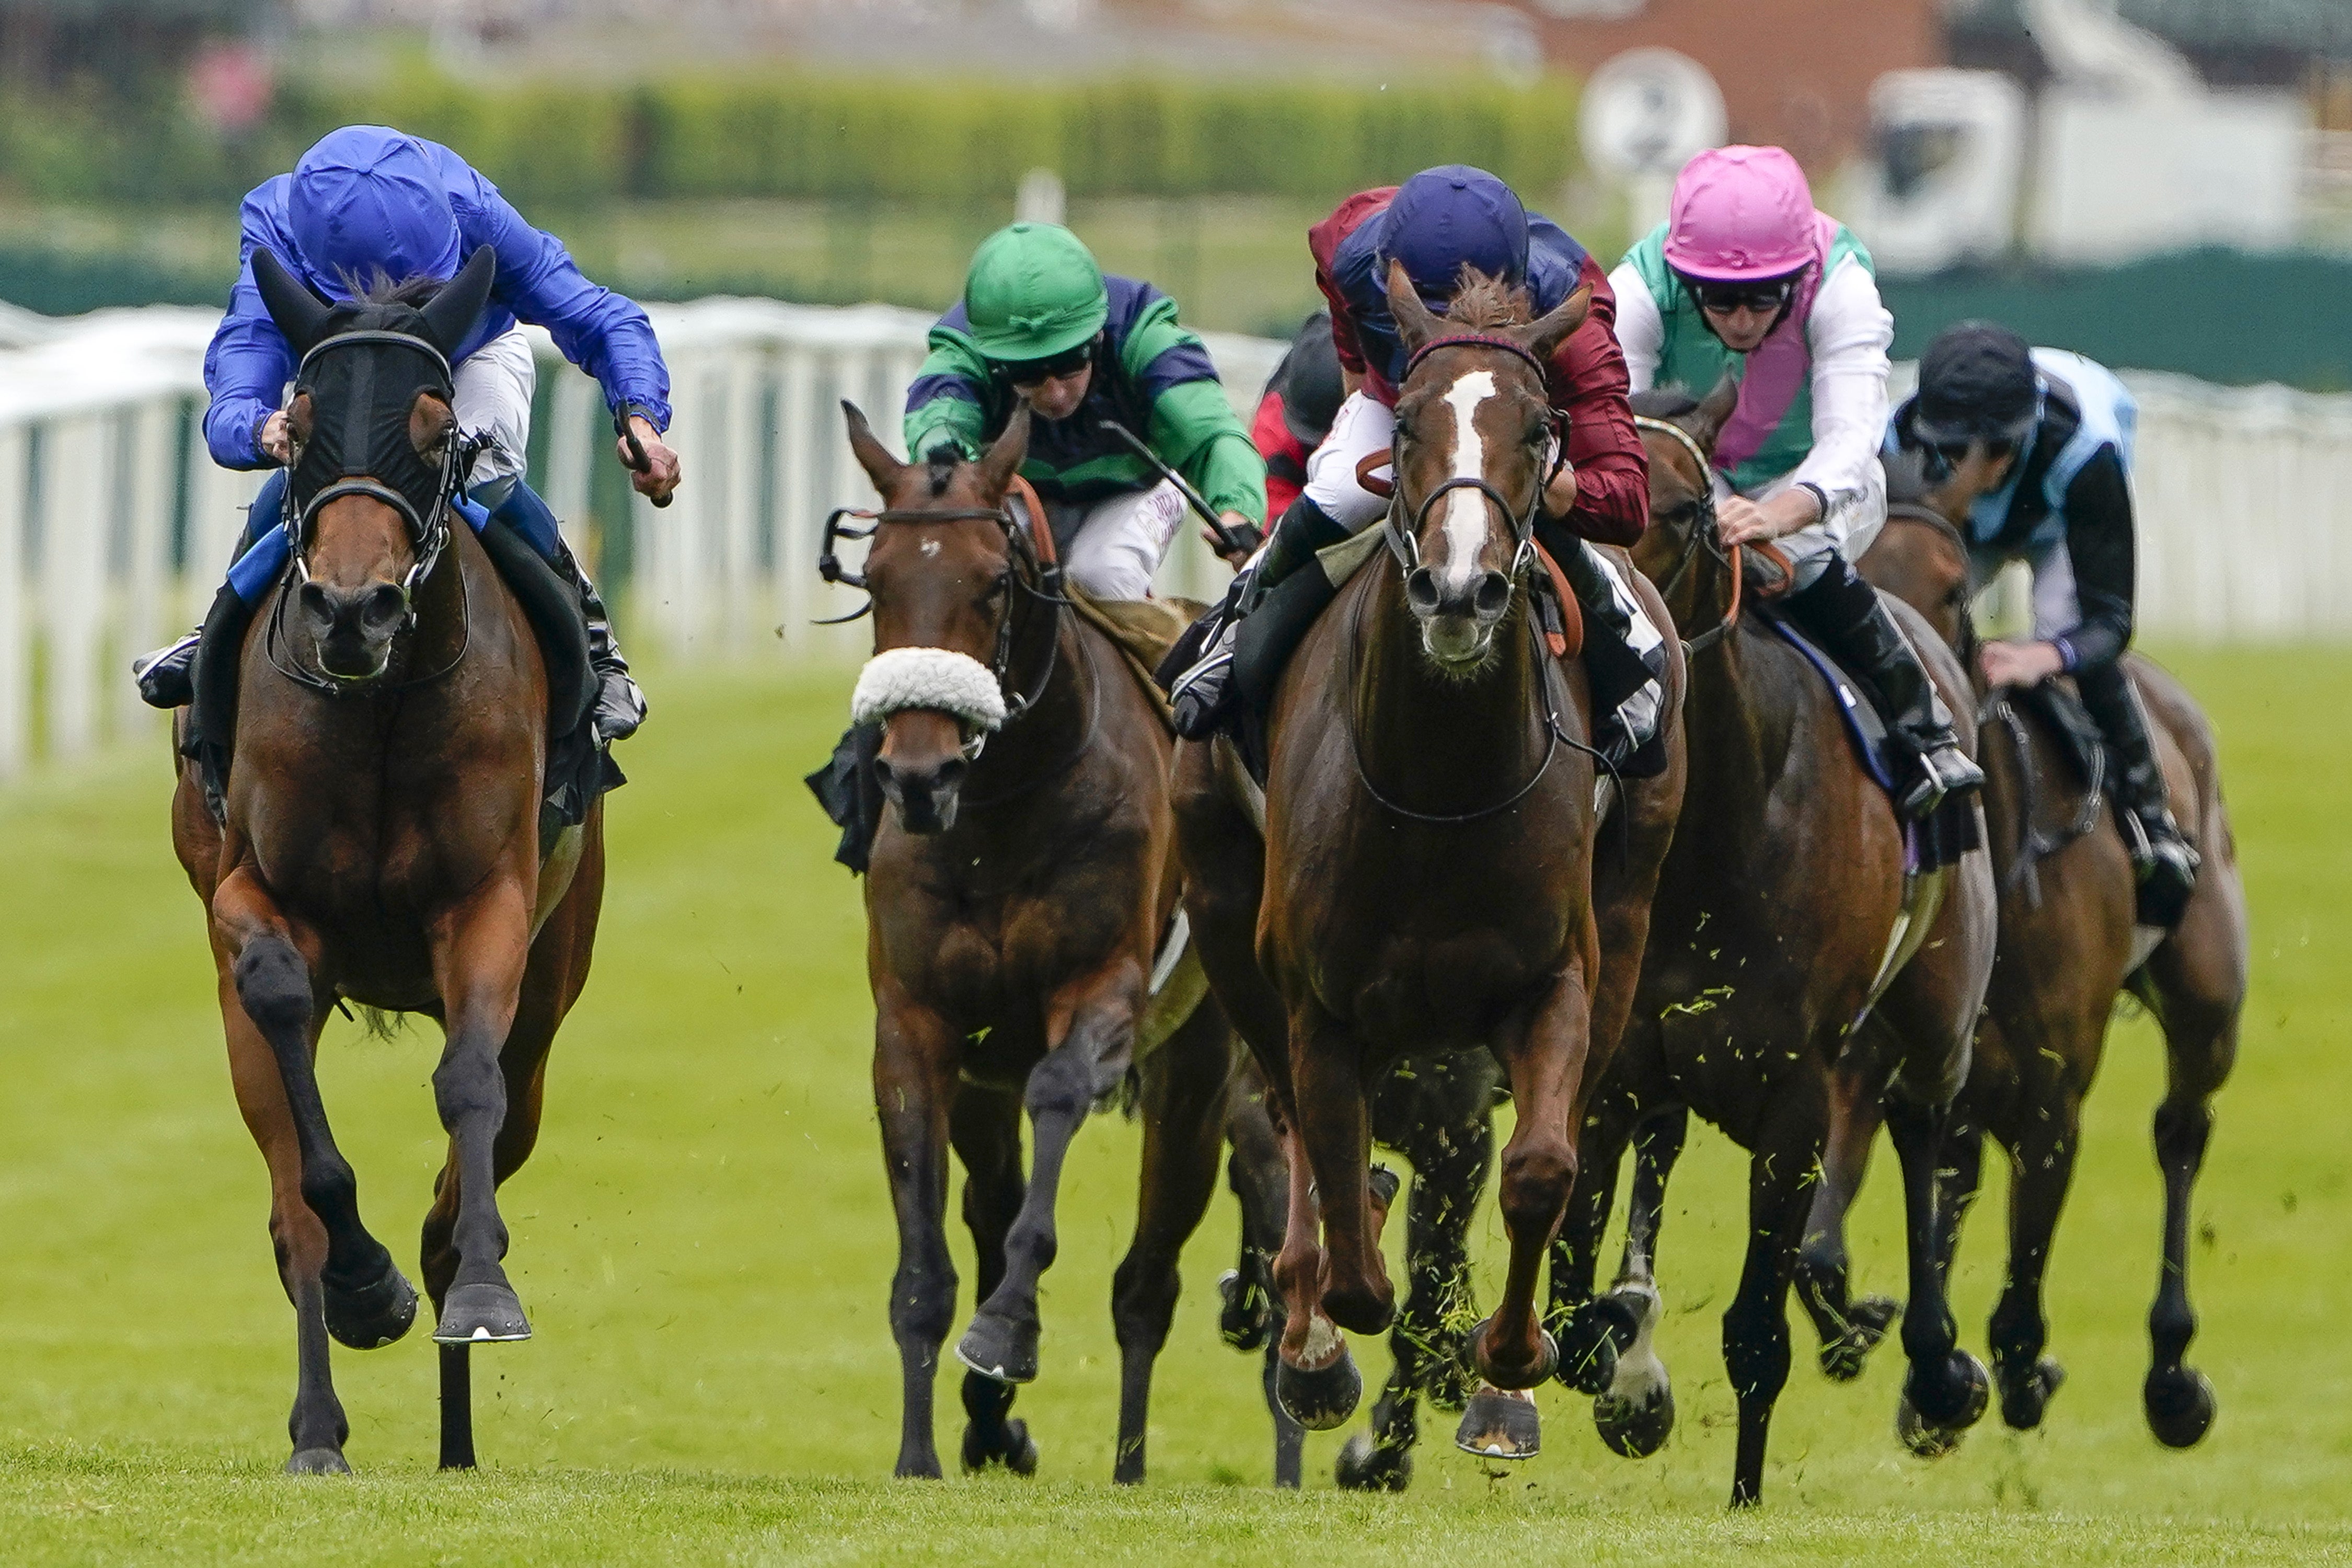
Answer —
(380, 287)
(1481, 303)
(940, 466)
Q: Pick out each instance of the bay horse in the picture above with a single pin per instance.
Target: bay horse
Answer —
(1430, 881)
(2068, 950)
(1015, 898)
(1783, 997)
(380, 842)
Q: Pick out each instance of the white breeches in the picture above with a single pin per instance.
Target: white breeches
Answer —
(1122, 541)
(494, 386)
(1361, 427)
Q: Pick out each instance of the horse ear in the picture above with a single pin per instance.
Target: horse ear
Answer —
(872, 455)
(1705, 422)
(1415, 324)
(450, 314)
(1002, 458)
(297, 310)
(1540, 337)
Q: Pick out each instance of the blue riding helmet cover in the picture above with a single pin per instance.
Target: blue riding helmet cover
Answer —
(367, 198)
(1445, 217)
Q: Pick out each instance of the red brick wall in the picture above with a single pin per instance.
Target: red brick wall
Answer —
(1795, 72)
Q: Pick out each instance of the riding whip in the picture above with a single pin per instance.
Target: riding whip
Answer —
(1232, 543)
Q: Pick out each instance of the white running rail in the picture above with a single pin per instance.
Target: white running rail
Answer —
(115, 526)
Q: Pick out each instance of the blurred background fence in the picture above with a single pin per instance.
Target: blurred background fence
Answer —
(115, 525)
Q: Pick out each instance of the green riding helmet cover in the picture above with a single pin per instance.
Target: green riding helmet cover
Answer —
(1034, 292)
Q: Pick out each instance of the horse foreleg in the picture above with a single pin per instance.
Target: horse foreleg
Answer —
(2199, 1047)
(1636, 1414)
(1316, 1381)
(2043, 1155)
(984, 1130)
(341, 1280)
(1248, 1318)
(1335, 1131)
(1089, 1024)
(915, 1054)
(1756, 1324)
(1947, 1389)
(1849, 1330)
(1184, 1088)
(480, 949)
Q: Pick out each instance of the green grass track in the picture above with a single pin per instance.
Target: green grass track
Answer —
(704, 1244)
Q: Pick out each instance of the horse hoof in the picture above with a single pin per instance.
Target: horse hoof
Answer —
(1635, 1428)
(1500, 1424)
(1017, 1452)
(1247, 1313)
(481, 1314)
(1588, 1355)
(374, 1314)
(2025, 1396)
(318, 1462)
(1866, 1322)
(1930, 1433)
(1322, 1399)
(2180, 1404)
(997, 1347)
(1368, 1464)
(1545, 1363)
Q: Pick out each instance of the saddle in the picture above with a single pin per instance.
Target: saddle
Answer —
(1947, 833)
(579, 767)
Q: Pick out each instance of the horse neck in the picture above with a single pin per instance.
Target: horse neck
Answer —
(1720, 714)
(1060, 712)
(1445, 742)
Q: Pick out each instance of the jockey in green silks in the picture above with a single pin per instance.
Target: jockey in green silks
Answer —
(1040, 324)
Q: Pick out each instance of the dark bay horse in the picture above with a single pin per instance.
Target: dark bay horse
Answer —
(382, 845)
(1783, 997)
(1433, 880)
(2068, 949)
(1018, 891)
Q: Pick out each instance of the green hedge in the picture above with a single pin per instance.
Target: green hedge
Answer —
(796, 136)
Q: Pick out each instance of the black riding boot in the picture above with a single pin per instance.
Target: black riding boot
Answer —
(1628, 685)
(2161, 856)
(1204, 694)
(620, 706)
(1847, 617)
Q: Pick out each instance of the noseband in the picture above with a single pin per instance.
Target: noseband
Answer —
(1042, 583)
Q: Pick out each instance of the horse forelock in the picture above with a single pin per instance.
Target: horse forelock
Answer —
(1481, 303)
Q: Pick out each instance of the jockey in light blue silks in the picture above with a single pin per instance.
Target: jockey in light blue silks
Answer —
(1747, 280)
(369, 207)
(2057, 429)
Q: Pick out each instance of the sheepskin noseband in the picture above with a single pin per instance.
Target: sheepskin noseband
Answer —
(934, 678)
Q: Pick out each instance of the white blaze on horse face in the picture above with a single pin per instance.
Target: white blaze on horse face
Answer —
(1467, 511)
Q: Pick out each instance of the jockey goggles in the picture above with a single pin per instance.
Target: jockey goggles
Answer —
(1769, 294)
(1053, 367)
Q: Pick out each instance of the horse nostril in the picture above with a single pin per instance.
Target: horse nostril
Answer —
(1493, 595)
(1421, 591)
(318, 609)
(382, 608)
(951, 774)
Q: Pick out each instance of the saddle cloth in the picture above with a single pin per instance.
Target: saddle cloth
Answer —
(579, 768)
(1947, 833)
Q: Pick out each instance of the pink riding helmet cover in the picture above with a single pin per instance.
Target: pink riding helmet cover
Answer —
(1740, 213)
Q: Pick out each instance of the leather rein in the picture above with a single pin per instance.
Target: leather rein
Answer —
(1703, 532)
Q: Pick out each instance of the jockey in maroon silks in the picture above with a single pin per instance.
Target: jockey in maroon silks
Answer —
(1434, 224)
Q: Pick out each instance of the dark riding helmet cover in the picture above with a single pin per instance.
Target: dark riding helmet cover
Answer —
(1977, 381)
(1445, 218)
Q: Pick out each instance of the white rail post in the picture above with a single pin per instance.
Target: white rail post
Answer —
(737, 521)
(73, 575)
(151, 431)
(798, 421)
(573, 403)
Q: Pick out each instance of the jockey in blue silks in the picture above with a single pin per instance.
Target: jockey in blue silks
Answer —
(369, 205)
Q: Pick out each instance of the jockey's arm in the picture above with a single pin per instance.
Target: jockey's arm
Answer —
(1847, 336)
(248, 362)
(946, 407)
(1604, 484)
(1641, 329)
(2101, 546)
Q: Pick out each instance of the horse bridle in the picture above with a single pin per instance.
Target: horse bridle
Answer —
(428, 535)
(1020, 550)
(1406, 547)
(1405, 543)
(1704, 531)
